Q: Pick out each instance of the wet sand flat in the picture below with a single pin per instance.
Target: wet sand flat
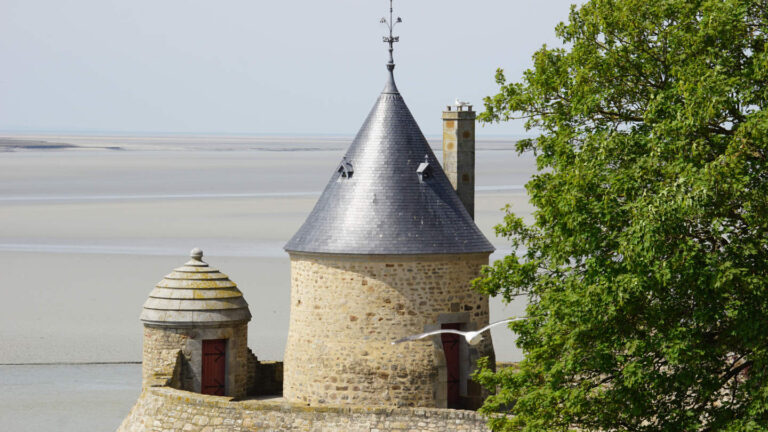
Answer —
(73, 307)
(85, 235)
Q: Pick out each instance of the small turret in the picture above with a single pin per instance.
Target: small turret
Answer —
(195, 331)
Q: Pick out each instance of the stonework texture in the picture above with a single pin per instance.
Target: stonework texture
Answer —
(163, 409)
(158, 343)
(459, 154)
(162, 342)
(264, 378)
(347, 309)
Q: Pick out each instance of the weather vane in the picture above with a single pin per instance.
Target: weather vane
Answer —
(391, 39)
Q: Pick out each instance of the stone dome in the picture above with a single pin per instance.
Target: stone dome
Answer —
(193, 295)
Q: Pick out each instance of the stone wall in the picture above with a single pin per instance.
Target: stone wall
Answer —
(157, 348)
(347, 309)
(160, 342)
(166, 372)
(264, 378)
(459, 154)
(163, 409)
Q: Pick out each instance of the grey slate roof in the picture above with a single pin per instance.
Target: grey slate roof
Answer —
(379, 204)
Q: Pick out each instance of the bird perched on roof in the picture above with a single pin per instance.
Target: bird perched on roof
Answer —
(472, 337)
(460, 103)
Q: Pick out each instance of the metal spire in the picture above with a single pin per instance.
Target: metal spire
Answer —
(391, 39)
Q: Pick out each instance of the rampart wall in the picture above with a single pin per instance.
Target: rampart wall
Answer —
(161, 409)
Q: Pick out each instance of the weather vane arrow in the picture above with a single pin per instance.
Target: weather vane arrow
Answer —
(391, 39)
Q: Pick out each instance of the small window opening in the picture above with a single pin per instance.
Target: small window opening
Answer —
(424, 171)
(345, 168)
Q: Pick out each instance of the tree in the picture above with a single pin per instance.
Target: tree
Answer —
(646, 266)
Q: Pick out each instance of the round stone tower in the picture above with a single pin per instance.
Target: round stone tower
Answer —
(388, 251)
(196, 327)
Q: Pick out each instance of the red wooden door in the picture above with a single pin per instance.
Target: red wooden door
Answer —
(451, 348)
(214, 367)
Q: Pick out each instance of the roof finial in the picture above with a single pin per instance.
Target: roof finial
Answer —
(196, 254)
(391, 39)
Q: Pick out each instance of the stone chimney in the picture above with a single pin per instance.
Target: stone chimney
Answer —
(459, 153)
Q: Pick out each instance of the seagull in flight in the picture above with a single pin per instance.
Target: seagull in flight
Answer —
(472, 337)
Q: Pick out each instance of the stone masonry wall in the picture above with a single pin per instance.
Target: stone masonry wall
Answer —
(459, 154)
(264, 378)
(160, 342)
(237, 366)
(163, 409)
(167, 370)
(347, 309)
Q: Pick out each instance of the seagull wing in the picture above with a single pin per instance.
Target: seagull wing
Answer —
(429, 333)
(501, 322)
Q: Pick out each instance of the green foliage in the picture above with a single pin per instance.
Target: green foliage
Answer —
(646, 268)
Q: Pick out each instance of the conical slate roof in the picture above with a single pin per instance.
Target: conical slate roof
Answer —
(195, 295)
(389, 195)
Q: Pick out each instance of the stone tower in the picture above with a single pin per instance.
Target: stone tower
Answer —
(459, 153)
(197, 319)
(388, 251)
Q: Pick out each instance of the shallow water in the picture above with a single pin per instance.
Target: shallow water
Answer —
(67, 397)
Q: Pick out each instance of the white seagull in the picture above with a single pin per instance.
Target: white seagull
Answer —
(472, 337)
(461, 103)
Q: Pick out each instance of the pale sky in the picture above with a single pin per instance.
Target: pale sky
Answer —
(254, 67)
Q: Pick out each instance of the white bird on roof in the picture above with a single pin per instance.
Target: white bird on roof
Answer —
(460, 103)
(472, 337)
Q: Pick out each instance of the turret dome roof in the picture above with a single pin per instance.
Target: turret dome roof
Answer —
(195, 294)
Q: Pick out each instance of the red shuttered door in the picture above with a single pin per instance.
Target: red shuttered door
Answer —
(451, 349)
(214, 367)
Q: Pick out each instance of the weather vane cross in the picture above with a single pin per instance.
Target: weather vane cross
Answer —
(391, 39)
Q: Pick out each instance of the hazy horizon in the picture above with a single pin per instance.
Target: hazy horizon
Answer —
(240, 67)
(11, 133)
